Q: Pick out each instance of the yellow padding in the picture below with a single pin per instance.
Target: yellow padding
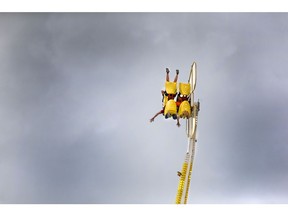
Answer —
(184, 88)
(188, 183)
(184, 106)
(170, 107)
(165, 99)
(181, 183)
(171, 87)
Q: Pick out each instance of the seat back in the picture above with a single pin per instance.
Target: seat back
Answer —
(171, 87)
(184, 88)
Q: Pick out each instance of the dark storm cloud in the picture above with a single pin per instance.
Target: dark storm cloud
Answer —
(77, 92)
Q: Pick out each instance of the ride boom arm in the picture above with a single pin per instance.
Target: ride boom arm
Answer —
(191, 126)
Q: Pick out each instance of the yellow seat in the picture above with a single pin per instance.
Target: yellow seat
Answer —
(184, 88)
(170, 108)
(184, 110)
(171, 87)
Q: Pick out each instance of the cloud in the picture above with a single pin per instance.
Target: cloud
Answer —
(78, 90)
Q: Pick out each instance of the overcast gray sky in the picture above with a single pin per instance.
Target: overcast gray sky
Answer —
(77, 91)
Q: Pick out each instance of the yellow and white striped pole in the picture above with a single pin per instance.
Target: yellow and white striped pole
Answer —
(191, 125)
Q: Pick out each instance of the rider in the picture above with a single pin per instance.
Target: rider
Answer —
(183, 95)
(163, 92)
(167, 97)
